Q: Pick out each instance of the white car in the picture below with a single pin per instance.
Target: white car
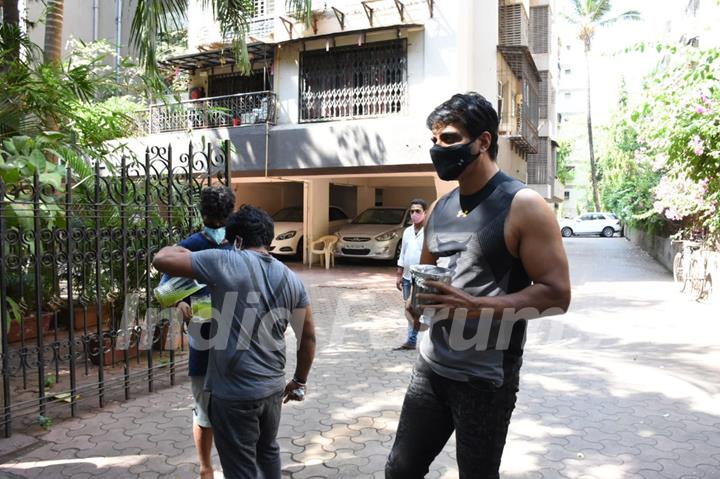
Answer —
(288, 239)
(376, 233)
(593, 223)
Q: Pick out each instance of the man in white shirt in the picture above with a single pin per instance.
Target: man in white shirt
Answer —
(412, 244)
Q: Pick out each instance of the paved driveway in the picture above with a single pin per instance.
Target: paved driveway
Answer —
(623, 386)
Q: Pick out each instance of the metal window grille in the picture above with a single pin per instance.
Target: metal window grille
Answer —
(540, 29)
(514, 25)
(354, 82)
(544, 93)
(538, 173)
(520, 62)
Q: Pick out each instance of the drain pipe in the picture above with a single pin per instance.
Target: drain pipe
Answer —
(267, 141)
(95, 20)
(118, 37)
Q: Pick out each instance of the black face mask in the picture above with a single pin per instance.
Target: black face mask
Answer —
(451, 161)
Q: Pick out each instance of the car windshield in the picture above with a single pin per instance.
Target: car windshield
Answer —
(390, 216)
(289, 214)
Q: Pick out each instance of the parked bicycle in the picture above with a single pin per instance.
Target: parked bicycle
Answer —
(693, 269)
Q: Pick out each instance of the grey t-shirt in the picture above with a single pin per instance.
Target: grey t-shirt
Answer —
(254, 297)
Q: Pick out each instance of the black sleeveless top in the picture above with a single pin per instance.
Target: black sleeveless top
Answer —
(471, 242)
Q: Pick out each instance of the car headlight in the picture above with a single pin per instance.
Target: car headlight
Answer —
(285, 236)
(386, 236)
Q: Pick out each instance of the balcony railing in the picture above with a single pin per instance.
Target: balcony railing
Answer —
(257, 27)
(220, 111)
(521, 131)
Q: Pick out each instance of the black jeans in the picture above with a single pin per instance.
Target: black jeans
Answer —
(434, 407)
(245, 433)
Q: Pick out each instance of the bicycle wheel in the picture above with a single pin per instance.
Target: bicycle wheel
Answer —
(709, 295)
(678, 273)
(697, 278)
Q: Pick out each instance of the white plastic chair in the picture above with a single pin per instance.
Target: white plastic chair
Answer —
(325, 247)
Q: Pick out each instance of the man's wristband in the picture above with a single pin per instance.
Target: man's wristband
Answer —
(299, 383)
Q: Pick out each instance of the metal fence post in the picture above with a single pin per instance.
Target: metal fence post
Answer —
(71, 306)
(4, 320)
(38, 292)
(147, 265)
(98, 289)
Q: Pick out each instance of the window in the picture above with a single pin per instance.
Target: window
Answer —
(353, 82)
(567, 195)
(567, 95)
(380, 216)
(568, 72)
(232, 83)
(378, 197)
(586, 217)
(599, 217)
(336, 214)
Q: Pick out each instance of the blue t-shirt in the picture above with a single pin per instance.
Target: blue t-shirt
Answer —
(198, 360)
(254, 297)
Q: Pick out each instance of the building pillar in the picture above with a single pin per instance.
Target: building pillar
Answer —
(365, 198)
(443, 187)
(316, 205)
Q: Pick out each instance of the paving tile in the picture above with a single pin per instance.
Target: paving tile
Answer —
(592, 398)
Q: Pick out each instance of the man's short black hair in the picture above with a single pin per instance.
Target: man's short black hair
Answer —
(253, 225)
(217, 202)
(473, 112)
(421, 202)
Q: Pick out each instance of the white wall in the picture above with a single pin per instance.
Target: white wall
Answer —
(455, 53)
(402, 196)
(511, 162)
(78, 21)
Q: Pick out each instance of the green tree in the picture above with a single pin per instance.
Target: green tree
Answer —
(590, 15)
(565, 172)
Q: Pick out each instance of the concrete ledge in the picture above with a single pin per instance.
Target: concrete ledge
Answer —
(658, 247)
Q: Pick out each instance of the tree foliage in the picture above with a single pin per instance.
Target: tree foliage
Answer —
(665, 150)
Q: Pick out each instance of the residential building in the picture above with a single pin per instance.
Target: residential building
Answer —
(334, 113)
(542, 166)
(571, 111)
(86, 20)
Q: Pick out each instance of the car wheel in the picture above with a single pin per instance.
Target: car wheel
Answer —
(566, 232)
(398, 248)
(608, 232)
(299, 251)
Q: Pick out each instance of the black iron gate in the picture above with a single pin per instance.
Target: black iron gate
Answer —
(79, 323)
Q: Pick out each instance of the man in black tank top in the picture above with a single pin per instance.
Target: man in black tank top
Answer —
(503, 245)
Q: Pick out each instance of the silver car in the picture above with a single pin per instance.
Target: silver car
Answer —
(376, 233)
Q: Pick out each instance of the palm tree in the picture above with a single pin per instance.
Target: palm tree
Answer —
(53, 31)
(11, 14)
(590, 15)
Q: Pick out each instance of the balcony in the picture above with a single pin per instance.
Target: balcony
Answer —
(221, 111)
(521, 131)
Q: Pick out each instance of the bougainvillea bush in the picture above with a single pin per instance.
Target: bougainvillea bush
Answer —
(676, 140)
